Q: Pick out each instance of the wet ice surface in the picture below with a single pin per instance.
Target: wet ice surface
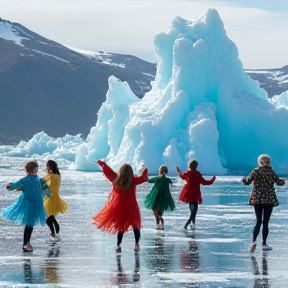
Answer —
(216, 254)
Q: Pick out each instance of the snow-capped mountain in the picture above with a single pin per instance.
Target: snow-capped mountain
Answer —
(47, 86)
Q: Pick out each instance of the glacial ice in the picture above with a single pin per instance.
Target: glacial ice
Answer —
(202, 106)
(43, 146)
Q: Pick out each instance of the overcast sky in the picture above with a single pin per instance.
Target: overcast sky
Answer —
(258, 27)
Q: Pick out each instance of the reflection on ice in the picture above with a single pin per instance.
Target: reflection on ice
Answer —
(123, 277)
(260, 281)
(50, 264)
(190, 257)
(215, 254)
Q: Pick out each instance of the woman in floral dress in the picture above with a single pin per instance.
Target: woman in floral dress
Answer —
(263, 197)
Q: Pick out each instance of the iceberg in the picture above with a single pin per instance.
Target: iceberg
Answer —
(43, 146)
(281, 100)
(202, 106)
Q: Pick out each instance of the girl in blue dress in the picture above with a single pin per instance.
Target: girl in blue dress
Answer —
(29, 209)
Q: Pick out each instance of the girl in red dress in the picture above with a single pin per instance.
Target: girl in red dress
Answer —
(121, 211)
(191, 192)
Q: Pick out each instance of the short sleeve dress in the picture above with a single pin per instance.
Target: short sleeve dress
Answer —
(121, 211)
(29, 208)
(159, 196)
(54, 204)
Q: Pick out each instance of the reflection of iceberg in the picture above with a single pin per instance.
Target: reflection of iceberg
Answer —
(202, 105)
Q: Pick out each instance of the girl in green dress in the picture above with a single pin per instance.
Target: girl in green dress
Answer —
(159, 198)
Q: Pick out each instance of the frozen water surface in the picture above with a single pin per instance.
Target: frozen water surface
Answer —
(216, 254)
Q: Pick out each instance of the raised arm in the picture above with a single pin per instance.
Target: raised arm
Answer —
(181, 175)
(143, 178)
(207, 182)
(108, 172)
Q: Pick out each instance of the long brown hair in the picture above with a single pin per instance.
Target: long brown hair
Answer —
(124, 177)
(53, 167)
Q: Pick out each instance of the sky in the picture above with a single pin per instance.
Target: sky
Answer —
(258, 27)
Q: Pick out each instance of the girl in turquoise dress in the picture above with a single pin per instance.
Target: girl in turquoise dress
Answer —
(29, 209)
(159, 198)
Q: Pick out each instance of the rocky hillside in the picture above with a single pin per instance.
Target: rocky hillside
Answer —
(46, 86)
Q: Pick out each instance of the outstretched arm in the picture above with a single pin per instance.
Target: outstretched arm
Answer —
(108, 172)
(248, 180)
(152, 180)
(15, 185)
(278, 181)
(207, 182)
(181, 175)
(143, 178)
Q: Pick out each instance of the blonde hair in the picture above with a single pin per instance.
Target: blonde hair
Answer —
(30, 166)
(264, 160)
(163, 169)
(124, 177)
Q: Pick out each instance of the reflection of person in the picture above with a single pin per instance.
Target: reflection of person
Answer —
(159, 258)
(53, 251)
(260, 282)
(28, 278)
(190, 259)
(159, 198)
(263, 197)
(51, 265)
(191, 192)
(28, 210)
(54, 204)
(122, 277)
(121, 211)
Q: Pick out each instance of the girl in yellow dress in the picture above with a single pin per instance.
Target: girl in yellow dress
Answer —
(54, 204)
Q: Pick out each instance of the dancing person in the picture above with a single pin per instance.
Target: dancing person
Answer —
(28, 210)
(159, 198)
(54, 204)
(121, 211)
(263, 197)
(191, 192)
